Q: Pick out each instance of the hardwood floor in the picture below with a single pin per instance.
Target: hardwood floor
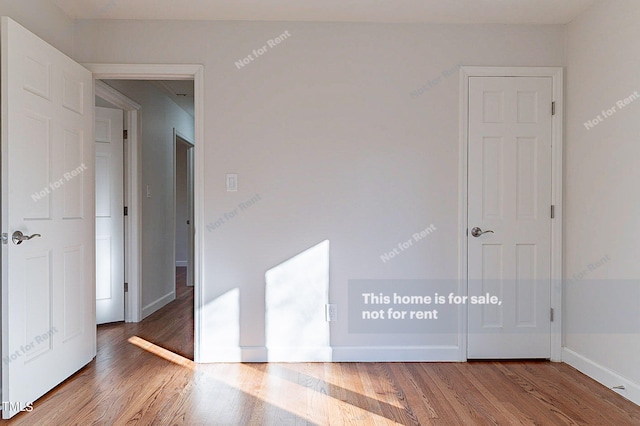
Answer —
(143, 375)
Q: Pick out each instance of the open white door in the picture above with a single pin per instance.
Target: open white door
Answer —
(48, 282)
(109, 215)
(509, 203)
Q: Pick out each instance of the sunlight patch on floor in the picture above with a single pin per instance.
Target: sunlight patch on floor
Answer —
(302, 401)
(161, 352)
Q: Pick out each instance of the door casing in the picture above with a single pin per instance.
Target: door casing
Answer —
(163, 72)
(181, 139)
(556, 74)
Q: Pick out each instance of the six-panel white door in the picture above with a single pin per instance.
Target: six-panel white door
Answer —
(109, 215)
(48, 282)
(510, 194)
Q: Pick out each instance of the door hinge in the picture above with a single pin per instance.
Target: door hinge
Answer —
(126, 211)
(553, 211)
(551, 314)
(126, 287)
(5, 238)
(553, 108)
(125, 134)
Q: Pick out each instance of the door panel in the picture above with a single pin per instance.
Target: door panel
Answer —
(510, 194)
(48, 282)
(109, 215)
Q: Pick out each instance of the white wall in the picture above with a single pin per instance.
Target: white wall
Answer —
(324, 129)
(158, 116)
(182, 206)
(42, 18)
(602, 315)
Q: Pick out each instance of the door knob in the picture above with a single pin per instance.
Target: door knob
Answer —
(18, 237)
(476, 232)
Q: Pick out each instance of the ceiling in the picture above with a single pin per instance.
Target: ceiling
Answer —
(181, 91)
(393, 11)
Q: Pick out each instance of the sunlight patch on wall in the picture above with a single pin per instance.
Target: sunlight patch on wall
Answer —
(296, 293)
(222, 320)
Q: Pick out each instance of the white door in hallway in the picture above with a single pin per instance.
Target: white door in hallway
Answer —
(509, 193)
(48, 281)
(109, 215)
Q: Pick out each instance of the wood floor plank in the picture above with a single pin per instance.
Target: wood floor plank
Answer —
(417, 397)
(373, 403)
(144, 375)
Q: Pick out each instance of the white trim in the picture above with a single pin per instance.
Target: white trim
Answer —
(185, 140)
(253, 354)
(174, 202)
(557, 164)
(158, 303)
(396, 354)
(177, 72)
(188, 142)
(132, 200)
(339, 354)
(602, 375)
(463, 179)
(144, 71)
(235, 354)
(111, 95)
(556, 74)
(298, 354)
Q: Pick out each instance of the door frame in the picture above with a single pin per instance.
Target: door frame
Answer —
(167, 72)
(556, 74)
(180, 138)
(132, 227)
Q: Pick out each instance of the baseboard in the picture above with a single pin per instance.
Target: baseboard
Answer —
(236, 354)
(396, 354)
(300, 354)
(335, 354)
(182, 263)
(222, 354)
(602, 375)
(253, 354)
(157, 304)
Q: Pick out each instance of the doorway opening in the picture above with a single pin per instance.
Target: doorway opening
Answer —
(139, 190)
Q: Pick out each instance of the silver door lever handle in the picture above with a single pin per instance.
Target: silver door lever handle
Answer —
(476, 232)
(18, 237)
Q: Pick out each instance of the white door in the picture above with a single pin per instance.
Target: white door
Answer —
(109, 215)
(509, 194)
(48, 282)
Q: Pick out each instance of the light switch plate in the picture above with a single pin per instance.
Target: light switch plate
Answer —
(232, 182)
(331, 312)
